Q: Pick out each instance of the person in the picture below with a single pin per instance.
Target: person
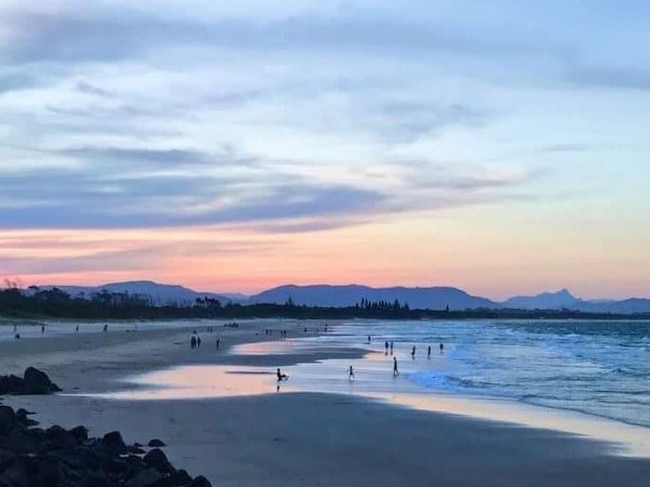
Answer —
(386, 348)
(42, 328)
(413, 352)
(395, 371)
(198, 341)
(281, 376)
(369, 339)
(105, 328)
(193, 342)
(351, 373)
(429, 352)
(442, 347)
(218, 342)
(77, 328)
(391, 347)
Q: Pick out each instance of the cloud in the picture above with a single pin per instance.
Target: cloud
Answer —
(611, 77)
(90, 89)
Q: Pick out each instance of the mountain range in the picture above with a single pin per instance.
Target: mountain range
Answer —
(349, 295)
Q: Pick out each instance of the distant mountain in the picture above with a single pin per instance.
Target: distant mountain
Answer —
(627, 306)
(558, 300)
(342, 296)
(160, 294)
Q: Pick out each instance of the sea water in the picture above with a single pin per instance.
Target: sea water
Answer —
(600, 368)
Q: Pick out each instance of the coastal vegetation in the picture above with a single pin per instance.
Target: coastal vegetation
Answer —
(38, 303)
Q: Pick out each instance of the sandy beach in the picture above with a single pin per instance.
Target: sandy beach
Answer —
(294, 438)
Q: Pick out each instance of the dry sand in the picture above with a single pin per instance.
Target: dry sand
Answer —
(297, 439)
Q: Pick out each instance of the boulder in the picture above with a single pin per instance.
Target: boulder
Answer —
(158, 460)
(200, 481)
(147, 478)
(37, 382)
(113, 442)
(156, 443)
(7, 419)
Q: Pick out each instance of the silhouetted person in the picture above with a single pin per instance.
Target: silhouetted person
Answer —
(395, 371)
(305, 329)
(442, 348)
(42, 328)
(77, 328)
(413, 352)
(198, 342)
(386, 348)
(351, 373)
(429, 351)
(193, 342)
(281, 376)
(391, 347)
(105, 328)
(218, 342)
(369, 339)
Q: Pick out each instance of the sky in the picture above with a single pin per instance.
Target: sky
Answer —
(498, 146)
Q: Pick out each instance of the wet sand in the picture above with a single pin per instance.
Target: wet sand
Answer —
(297, 438)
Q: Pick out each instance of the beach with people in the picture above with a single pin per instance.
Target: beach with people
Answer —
(279, 407)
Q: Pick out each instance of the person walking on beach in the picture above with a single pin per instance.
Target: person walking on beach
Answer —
(391, 347)
(198, 341)
(413, 352)
(193, 342)
(281, 376)
(351, 373)
(395, 371)
(442, 348)
(105, 328)
(429, 352)
(386, 348)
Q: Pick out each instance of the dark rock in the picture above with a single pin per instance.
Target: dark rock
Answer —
(182, 478)
(15, 476)
(37, 382)
(136, 450)
(156, 443)
(7, 419)
(10, 384)
(80, 433)
(147, 478)
(158, 460)
(200, 481)
(60, 437)
(94, 480)
(113, 441)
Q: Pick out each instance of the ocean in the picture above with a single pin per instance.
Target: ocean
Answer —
(600, 368)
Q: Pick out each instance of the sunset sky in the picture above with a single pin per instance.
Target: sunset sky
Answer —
(499, 146)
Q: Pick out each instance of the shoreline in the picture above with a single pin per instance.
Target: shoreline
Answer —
(295, 439)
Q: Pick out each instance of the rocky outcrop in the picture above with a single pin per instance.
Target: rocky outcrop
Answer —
(34, 382)
(56, 457)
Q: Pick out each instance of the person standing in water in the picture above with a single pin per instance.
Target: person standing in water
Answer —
(351, 373)
(395, 371)
(386, 348)
(413, 352)
(429, 352)
(442, 348)
(369, 339)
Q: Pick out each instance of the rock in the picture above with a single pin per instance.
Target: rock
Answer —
(158, 460)
(7, 419)
(15, 476)
(80, 433)
(60, 437)
(156, 443)
(37, 382)
(200, 481)
(113, 441)
(182, 478)
(147, 478)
